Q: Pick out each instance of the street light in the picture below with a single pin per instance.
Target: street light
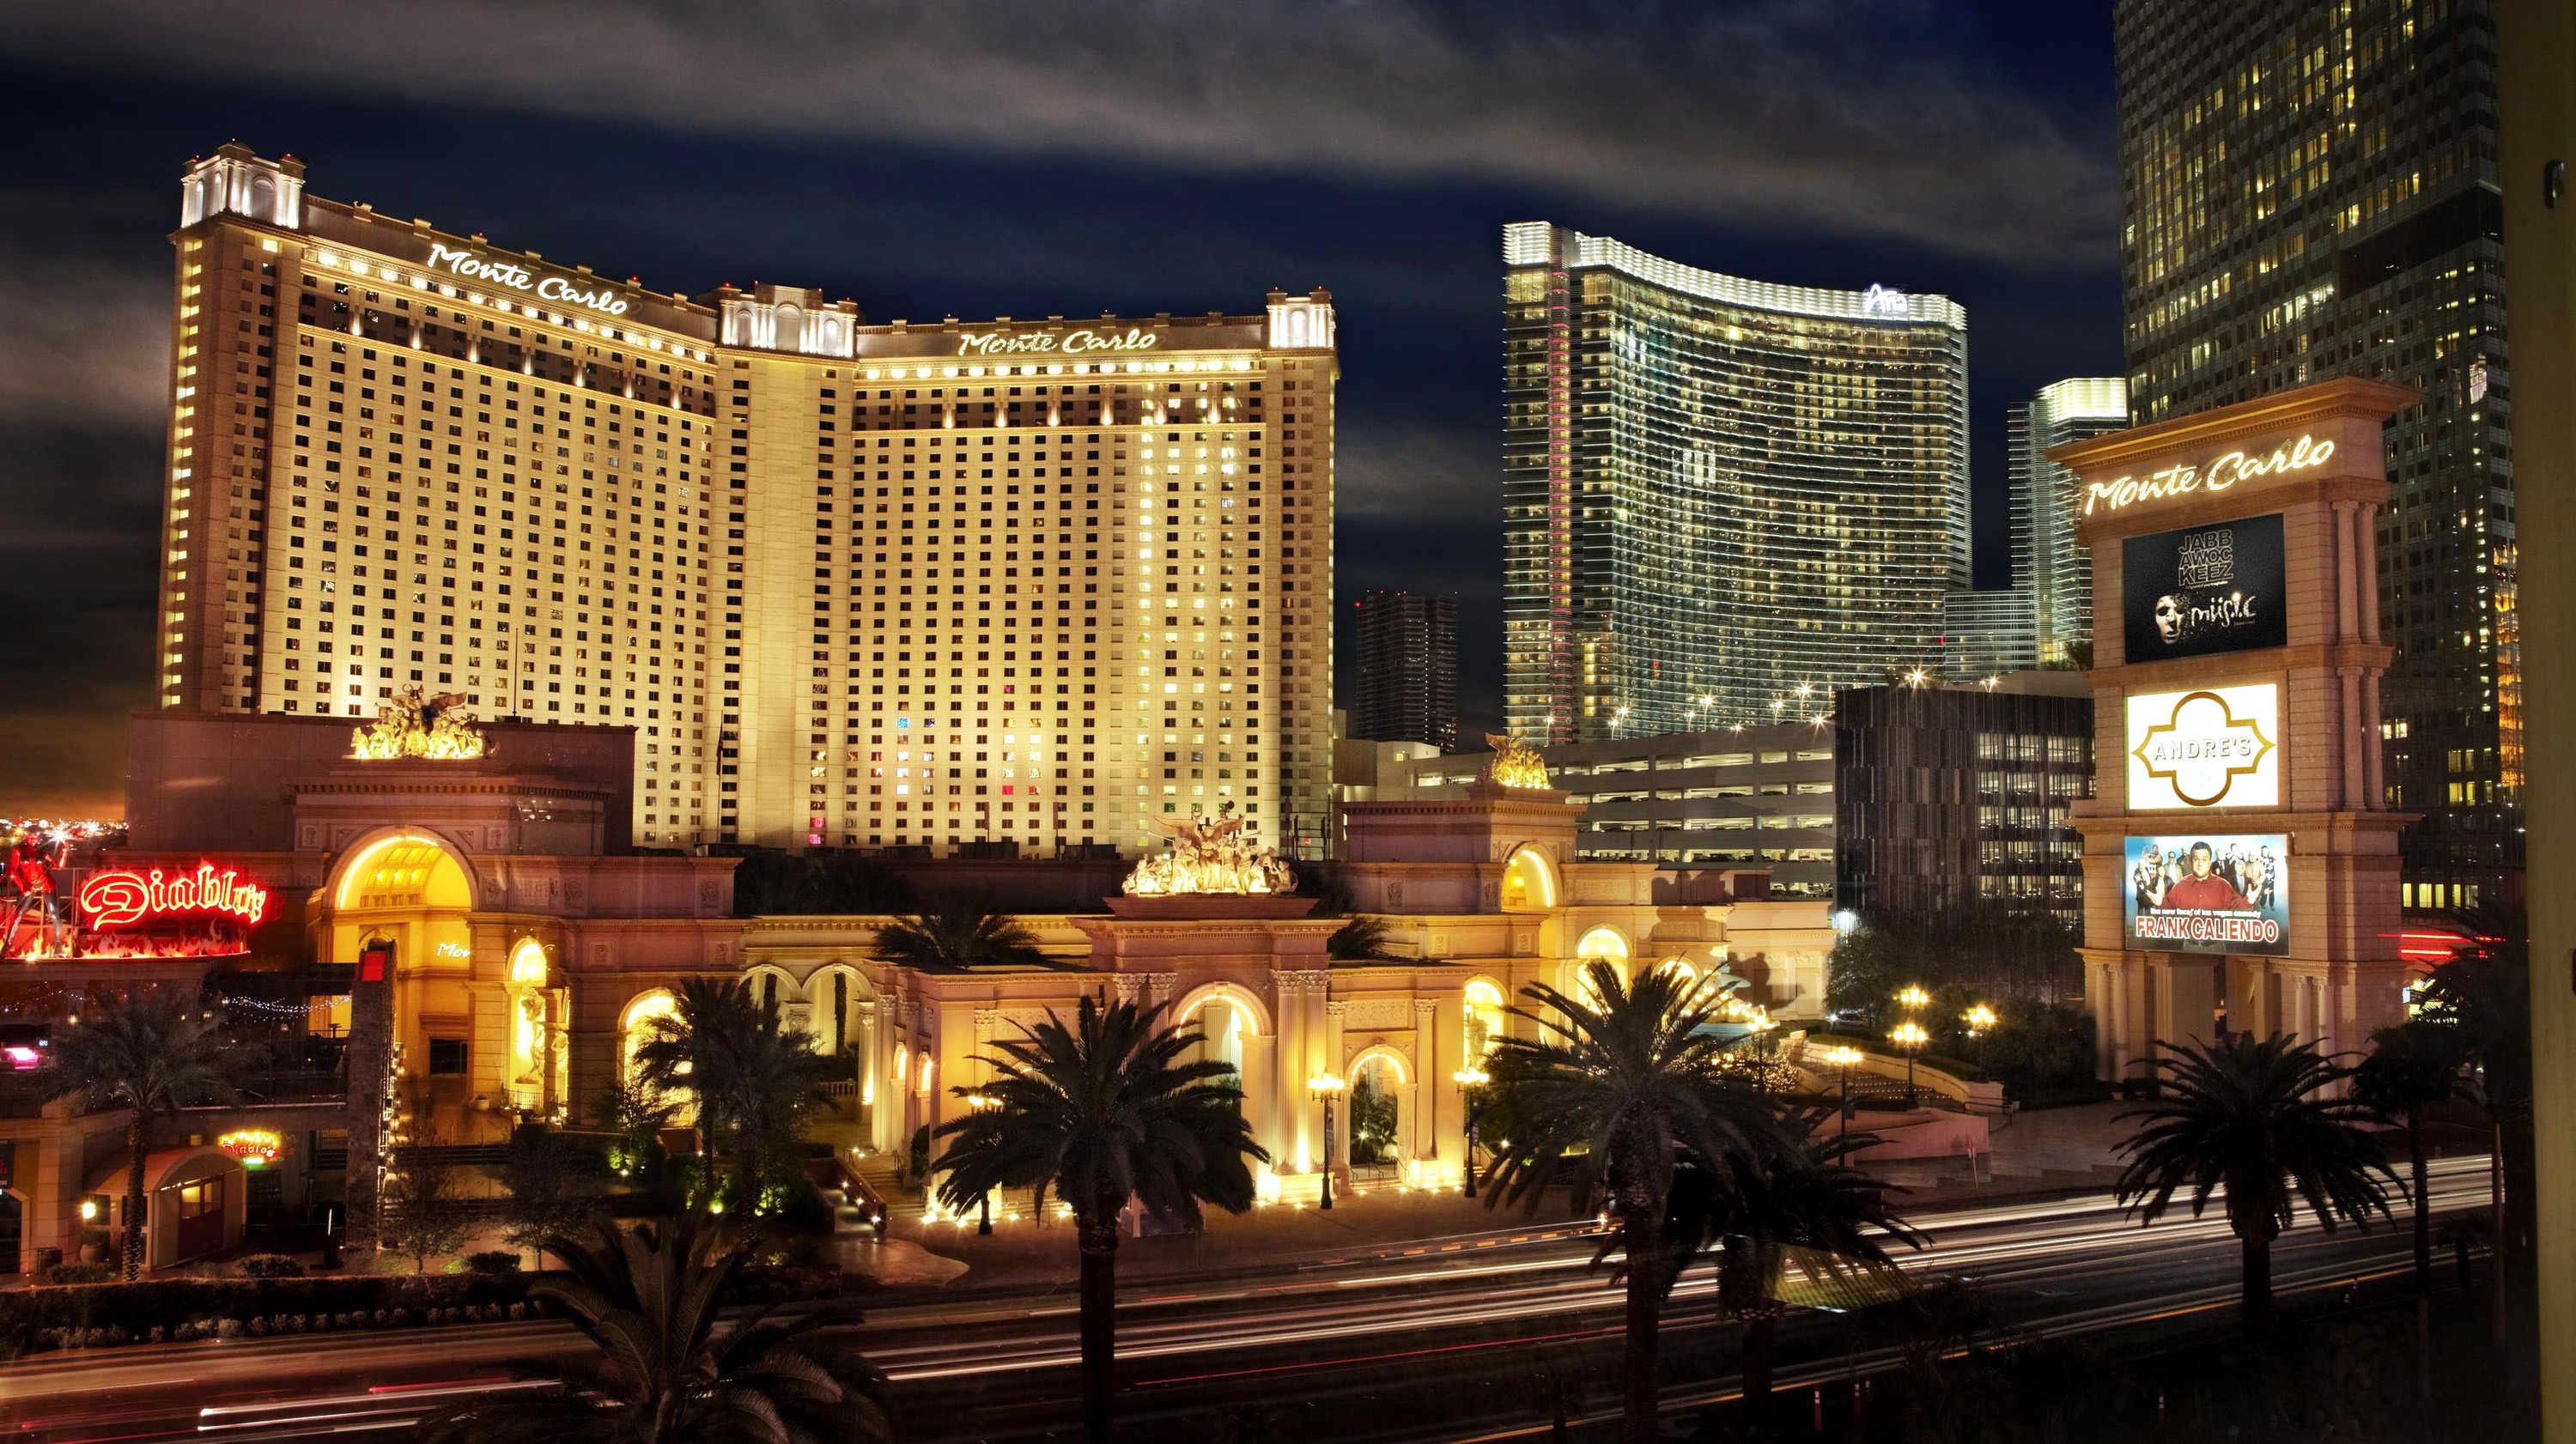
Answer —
(1327, 1087)
(1981, 1021)
(1845, 1057)
(983, 1102)
(1913, 999)
(1471, 1081)
(1909, 1035)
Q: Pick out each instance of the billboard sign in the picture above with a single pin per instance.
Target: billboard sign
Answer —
(2203, 590)
(2210, 747)
(2208, 893)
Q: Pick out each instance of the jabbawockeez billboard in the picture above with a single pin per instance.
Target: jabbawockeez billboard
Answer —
(2204, 590)
(2208, 893)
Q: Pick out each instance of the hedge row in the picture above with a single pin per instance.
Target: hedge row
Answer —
(157, 1310)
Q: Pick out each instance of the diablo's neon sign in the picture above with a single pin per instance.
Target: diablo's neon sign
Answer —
(122, 898)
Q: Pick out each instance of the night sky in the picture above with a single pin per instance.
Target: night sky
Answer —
(1028, 159)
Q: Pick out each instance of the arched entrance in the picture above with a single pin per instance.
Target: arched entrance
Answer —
(635, 1028)
(399, 904)
(1601, 944)
(1529, 881)
(1377, 1134)
(1236, 1030)
(536, 1072)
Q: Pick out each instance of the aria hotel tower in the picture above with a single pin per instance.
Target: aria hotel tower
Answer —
(1723, 498)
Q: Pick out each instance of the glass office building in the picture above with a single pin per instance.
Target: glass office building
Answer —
(2050, 565)
(1723, 498)
(2309, 188)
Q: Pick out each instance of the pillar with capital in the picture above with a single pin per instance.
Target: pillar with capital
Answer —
(2240, 870)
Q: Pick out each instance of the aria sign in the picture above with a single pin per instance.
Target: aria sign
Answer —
(1048, 343)
(2205, 748)
(2215, 475)
(122, 899)
(519, 278)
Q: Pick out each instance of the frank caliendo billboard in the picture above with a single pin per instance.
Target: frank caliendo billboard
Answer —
(2208, 893)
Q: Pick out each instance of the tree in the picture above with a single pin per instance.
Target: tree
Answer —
(543, 1171)
(426, 1214)
(1789, 1191)
(753, 1080)
(771, 883)
(961, 933)
(2244, 1115)
(2413, 1067)
(649, 1300)
(152, 1050)
(1622, 1081)
(1361, 938)
(637, 1113)
(1104, 1110)
(2485, 991)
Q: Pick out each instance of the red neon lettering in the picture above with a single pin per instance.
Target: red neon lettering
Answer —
(121, 899)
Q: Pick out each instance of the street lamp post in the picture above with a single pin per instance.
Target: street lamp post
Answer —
(1909, 1035)
(1981, 1020)
(1471, 1082)
(983, 1102)
(1843, 1056)
(1327, 1087)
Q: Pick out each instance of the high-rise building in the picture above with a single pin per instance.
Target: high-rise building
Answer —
(2309, 189)
(1950, 801)
(1985, 633)
(2049, 565)
(1039, 584)
(1721, 496)
(1406, 648)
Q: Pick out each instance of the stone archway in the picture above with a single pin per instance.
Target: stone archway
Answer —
(1239, 1033)
(1529, 881)
(1377, 1144)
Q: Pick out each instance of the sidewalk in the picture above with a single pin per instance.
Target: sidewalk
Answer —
(2054, 1150)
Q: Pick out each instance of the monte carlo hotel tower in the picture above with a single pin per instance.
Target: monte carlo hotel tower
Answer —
(897, 585)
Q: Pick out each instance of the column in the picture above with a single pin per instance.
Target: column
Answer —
(1294, 1150)
(1433, 1081)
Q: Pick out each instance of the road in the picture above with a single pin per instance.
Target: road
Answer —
(1396, 1346)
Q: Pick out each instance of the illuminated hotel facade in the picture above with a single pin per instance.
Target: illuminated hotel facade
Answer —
(1030, 583)
(1718, 491)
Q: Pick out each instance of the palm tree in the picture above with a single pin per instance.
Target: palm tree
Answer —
(2245, 1115)
(1104, 1111)
(151, 1050)
(1630, 1081)
(959, 933)
(649, 1300)
(2485, 991)
(2413, 1067)
(1790, 1191)
(753, 1080)
(1360, 938)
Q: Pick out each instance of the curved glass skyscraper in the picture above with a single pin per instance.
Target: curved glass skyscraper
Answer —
(1723, 498)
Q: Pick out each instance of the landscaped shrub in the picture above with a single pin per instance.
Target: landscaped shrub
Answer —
(97, 1314)
(80, 1273)
(493, 1261)
(270, 1266)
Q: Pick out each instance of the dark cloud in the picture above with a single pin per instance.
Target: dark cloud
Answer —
(1029, 159)
(1867, 118)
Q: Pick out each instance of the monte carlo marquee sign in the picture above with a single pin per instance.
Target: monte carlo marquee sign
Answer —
(2217, 474)
(513, 276)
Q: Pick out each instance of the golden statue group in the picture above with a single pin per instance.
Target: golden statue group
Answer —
(1209, 855)
(411, 725)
